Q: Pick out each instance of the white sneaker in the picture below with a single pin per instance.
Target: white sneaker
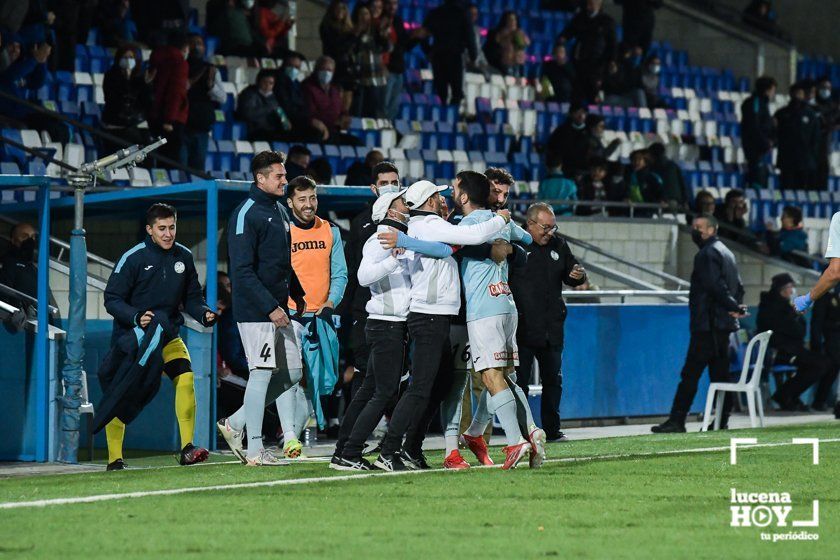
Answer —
(537, 453)
(265, 459)
(233, 438)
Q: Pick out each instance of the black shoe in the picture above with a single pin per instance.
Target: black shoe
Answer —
(391, 463)
(414, 461)
(711, 427)
(556, 436)
(789, 405)
(837, 410)
(669, 427)
(190, 455)
(118, 465)
(347, 464)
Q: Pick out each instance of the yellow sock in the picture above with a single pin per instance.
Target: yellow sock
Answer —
(114, 435)
(185, 406)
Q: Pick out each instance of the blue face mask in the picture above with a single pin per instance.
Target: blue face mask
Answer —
(292, 73)
(325, 76)
(385, 189)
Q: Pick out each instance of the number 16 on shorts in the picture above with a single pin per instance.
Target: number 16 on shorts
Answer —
(258, 342)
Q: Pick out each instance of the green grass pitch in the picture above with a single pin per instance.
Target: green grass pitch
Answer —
(631, 497)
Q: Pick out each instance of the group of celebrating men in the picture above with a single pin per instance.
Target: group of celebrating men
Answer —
(428, 271)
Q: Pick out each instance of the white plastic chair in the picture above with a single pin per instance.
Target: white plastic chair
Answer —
(748, 384)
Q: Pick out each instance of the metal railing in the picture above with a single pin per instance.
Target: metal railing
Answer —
(11, 292)
(31, 325)
(622, 295)
(573, 204)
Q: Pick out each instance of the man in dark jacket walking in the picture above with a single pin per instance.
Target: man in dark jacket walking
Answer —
(776, 313)
(595, 46)
(450, 29)
(798, 127)
(757, 131)
(715, 305)
(206, 94)
(262, 279)
(538, 291)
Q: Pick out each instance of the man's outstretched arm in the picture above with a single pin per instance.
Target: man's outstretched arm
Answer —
(830, 277)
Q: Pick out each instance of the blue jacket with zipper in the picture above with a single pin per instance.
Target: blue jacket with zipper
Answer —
(259, 258)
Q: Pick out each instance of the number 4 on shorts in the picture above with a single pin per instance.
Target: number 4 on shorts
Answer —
(265, 353)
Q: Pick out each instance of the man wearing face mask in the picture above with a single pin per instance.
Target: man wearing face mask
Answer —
(777, 313)
(17, 269)
(715, 303)
(569, 142)
(288, 90)
(325, 105)
(830, 121)
(206, 94)
(171, 105)
(258, 107)
(798, 130)
(595, 45)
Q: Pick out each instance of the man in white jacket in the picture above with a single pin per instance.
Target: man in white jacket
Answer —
(435, 296)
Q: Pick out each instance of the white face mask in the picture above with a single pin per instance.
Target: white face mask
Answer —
(825, 93)
(385, 189)
(128, 63)
(248, 4)
(656, 68)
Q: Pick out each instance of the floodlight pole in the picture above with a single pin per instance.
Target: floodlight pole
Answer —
(72, 372)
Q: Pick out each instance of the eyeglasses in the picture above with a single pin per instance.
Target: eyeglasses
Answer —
(545, 229)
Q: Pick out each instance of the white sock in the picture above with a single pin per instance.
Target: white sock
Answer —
(450, 410)
(482, 416)
(254, 408)
(503, 404)
(522, 408)
(286, 405)
(301, 411)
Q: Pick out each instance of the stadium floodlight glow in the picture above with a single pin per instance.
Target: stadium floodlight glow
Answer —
(72, 372)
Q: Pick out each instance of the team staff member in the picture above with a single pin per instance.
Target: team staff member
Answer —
(262, 279)
(538, 291)
(386, 179)
(158, 276)
(318, 262)
(714, 307)
(435, 296)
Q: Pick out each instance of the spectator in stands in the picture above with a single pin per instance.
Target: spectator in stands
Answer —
(321, 171)
(297, 161)
(638, 20)
(401, 41)
(776, 313)
(480, 63)
(127, 90)
(360, 172)
(760, 15)
(829, 123)
(288, 90)
(595, 45)
(791, 237)
(558, 77)
(170, 105)
(595, 149)
(18, 269)
(619, 87)
(324, 104)
(371, 44)
(231, 22)
(798, 130)
(557, 186)
(568, 143)
(704, 203)
(642, 185)
(674, 189)
(758, 132)
(538, 292)
(274, 25)
(505, 46)
(450, 29)
(115, 24)
(715, 303)
(23, 74)
(731, 215)
(339, 41)
(206, 95)
(825, 339)
(649, 82)
(593, 186)
(259, 109)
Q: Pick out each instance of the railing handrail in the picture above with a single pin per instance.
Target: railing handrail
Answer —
(18, 294)
(31, 325)
(574, 294)
(59, 243)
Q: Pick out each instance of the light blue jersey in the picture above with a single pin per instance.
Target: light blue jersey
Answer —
(485, 282)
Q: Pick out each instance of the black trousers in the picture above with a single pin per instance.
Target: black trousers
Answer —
(811, 367)
(705, 349)
(448, 70)
(832, 350)
(430, 336)
(550, 359)
(757, 172)
(381, 384)
(798, 179)
(417, 429)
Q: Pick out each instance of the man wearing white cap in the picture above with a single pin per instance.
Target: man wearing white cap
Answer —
(386, 273)
(434, 297)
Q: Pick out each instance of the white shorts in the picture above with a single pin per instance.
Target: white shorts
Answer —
(460, 341)
(270, 347)
(493, 342)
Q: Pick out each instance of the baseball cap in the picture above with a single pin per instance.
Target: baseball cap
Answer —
(380, 207)
(418, 193)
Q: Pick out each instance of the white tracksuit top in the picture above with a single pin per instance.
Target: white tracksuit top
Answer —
(388, 279)
(435, 283)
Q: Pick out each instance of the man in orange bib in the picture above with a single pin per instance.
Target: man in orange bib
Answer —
(318, 261)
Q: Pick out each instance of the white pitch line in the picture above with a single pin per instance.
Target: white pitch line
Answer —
(339, 478)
